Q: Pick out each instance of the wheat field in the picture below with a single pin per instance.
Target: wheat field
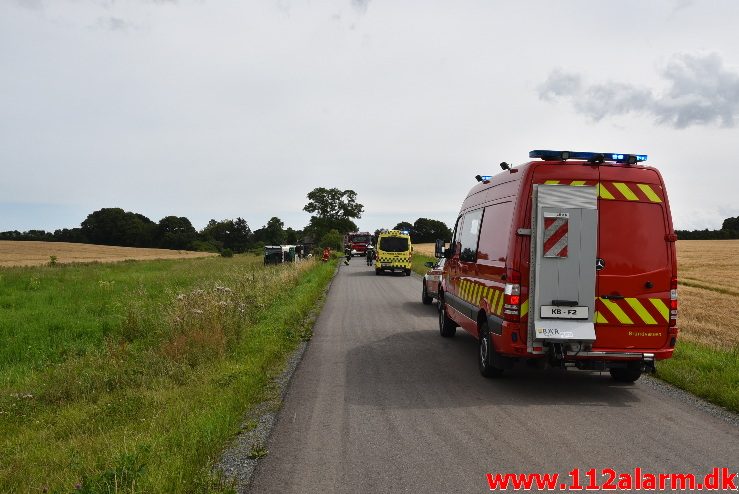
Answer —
(708, 274)
(32, 253)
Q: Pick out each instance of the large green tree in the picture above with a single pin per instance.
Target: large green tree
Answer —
(274, 232)
(228, 234)
(427, 230)
(175, 232)
(333, 209)
(114, 226)
(731, 224)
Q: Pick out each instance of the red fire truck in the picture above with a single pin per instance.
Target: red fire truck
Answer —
(567, 260)
(358, 242)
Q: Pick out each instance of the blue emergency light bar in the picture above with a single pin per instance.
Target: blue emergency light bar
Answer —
(629, 159)
(486, 178)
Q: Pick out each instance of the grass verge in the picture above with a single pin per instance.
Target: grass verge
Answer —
(146, 402)
(418, 263)
(707, 372)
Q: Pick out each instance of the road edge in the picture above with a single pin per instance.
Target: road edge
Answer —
(238, 461)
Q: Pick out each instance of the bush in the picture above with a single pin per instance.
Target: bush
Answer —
(332, 240)
(227, 253)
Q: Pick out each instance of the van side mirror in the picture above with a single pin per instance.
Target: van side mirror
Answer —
(439, 248)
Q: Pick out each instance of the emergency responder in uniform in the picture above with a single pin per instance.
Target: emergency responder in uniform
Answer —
(370, 255)
(348, 253)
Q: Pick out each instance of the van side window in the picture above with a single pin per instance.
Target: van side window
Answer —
(455, 237)
(469, 236)
(495, 232)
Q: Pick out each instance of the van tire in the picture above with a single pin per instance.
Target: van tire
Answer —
(407, 272)
(424, 295)
(447, 327)
(485, 354)
(378, 271)
(626, 375)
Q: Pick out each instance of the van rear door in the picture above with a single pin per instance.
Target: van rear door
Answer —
(634, 261)
(564, 234)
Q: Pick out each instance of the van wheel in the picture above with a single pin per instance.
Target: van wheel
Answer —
(424, 295)
(625, 375)
(485, 354)
(407, 272)
(447, 327)
(378, 271)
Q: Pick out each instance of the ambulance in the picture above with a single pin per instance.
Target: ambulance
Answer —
(394, 252)
(567, 260)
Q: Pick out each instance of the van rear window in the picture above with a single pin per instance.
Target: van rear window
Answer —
(394, 244)
(632, 237)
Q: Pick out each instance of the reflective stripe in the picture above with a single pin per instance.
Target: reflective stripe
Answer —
(626, 191)
(525, 308)
(500, 304)
(465, 287)
(494, 303)
(577, 183)
(599, 318)
(661, 307)
(603, 192)
(476, 296)
(616, 311)
(639, 309)
(552, 182)
(649, 192)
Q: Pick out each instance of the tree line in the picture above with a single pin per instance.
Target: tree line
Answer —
(114, 226)
(333, 212)
(729, 230)
(425, 230)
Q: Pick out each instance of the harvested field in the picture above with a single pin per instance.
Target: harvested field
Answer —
(424, 249)
(30, 253)
(708, 272)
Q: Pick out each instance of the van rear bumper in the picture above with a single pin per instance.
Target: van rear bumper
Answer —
(647, 355)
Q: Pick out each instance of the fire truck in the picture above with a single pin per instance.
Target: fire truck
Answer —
(567, 260)
(358, 242)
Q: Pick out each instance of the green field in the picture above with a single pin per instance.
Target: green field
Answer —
(132, 377)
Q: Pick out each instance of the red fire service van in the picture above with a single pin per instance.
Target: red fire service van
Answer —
(358, 242)
(568, 261)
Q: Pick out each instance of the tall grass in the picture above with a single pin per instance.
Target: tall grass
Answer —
(131, 377)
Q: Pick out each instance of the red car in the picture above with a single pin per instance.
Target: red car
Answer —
(432, 281)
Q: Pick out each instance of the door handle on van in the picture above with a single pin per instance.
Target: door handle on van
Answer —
(613, 297)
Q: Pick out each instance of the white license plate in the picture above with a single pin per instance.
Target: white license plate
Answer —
(387, 264)
(561, 312)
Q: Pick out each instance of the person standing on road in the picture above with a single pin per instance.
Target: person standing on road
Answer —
(370, 255)
(348, 253)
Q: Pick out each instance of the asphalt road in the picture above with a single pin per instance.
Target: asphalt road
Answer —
(382, 403)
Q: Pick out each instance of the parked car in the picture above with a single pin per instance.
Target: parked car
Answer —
(432, 280)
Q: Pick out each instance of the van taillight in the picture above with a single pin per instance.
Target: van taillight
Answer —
(512, 302)
(673, 301)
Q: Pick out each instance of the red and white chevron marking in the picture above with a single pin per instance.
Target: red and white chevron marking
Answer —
(555, 237)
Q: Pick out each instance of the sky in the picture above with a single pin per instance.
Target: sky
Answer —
(226, 108)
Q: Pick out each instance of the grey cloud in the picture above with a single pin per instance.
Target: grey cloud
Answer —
(115, 24)
(559, 83)
(361, 5)
(700, 91)
(30, 4)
